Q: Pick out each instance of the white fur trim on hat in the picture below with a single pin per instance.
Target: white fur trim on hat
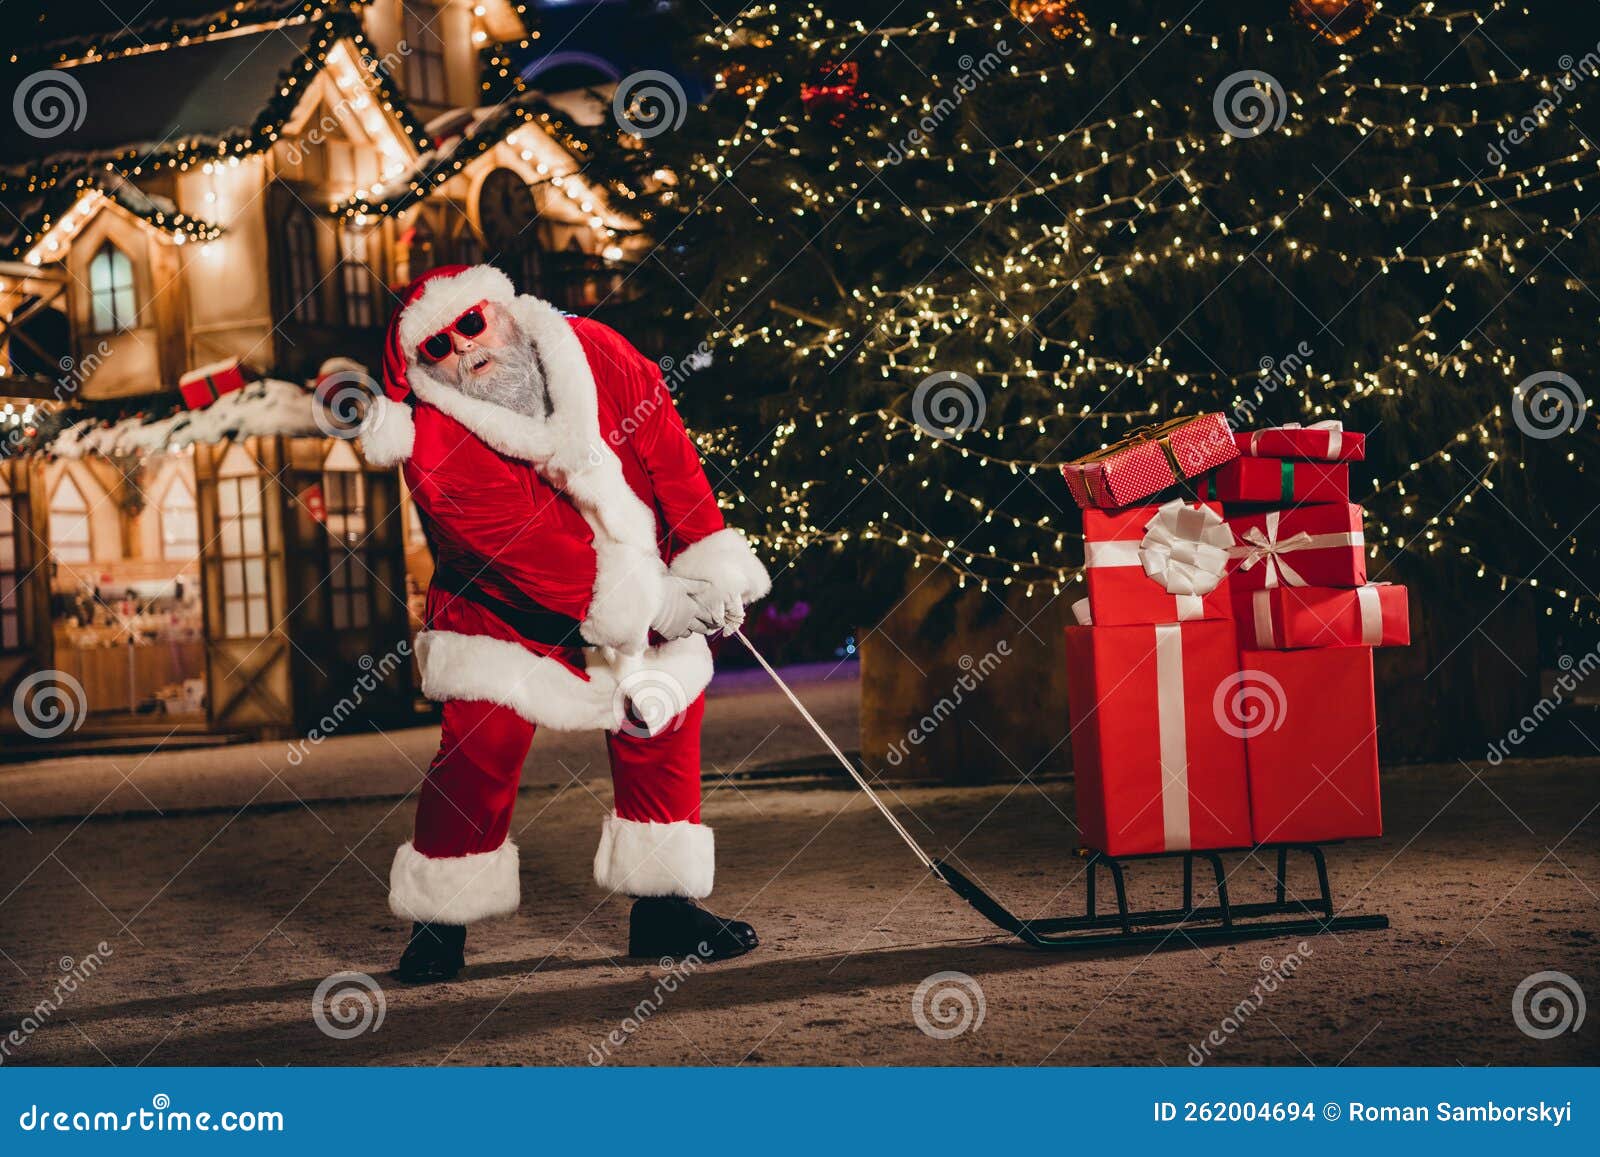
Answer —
(387, 432)
(724, 559)
(444, 299)
(453, 889)
(641, 858)
(545, 691)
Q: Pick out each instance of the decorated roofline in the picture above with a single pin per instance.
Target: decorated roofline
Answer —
(161, 32)
(74, 204)
(263, 133)
(434, 170)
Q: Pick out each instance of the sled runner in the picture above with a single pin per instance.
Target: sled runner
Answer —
(1220, 922)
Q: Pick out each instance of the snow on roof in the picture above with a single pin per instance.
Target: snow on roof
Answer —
(267, 407)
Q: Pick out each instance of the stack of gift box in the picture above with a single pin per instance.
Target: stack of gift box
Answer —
(1220, 676)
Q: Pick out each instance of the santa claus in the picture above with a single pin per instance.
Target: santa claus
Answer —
(581, 559)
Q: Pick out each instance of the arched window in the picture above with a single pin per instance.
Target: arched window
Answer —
(111, 297)
(356, 279)
(344, 489)
(242, 534)
(300, 264)
(69, 523)
(10, 573)
(180, 523)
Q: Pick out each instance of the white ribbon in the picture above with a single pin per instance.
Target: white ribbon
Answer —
(1186, 548)
(1261, 616)
(1080, 612)
(1174, 741)
(1371, 615)
(1259, 545)
(1333, 426)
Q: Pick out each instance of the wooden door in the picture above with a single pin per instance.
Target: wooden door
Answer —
(239, 492)
(27, 643)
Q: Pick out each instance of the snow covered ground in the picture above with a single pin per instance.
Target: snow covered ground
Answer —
(211, 928)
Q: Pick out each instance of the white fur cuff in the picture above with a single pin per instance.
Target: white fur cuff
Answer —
(640, 858)
(387, 432)
(627, 595)
(453, 889)
(725, 560)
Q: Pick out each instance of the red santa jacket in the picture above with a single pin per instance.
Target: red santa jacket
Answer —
(578, 516)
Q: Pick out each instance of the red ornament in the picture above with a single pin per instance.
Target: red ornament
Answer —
(1336, 21)
(835, 96)
(1058, 19)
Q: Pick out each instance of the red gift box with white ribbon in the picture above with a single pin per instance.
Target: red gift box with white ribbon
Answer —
(1150, 460)
(200, 387)
(1157, 564)
(1321, 442)
(1311, 735)
(1281, 481)
(1317, 545)
(1289, 618)
(1153, 766)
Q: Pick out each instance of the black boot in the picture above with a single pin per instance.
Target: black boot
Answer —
(678, 927)
(436, 952)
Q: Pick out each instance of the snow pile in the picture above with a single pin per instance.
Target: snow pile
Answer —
(266, 407)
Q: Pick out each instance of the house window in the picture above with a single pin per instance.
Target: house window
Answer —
(69, 523)
(356, 279)
(344, 490)
(180, 524)
(10, 574)
(424, 46)
(242, 536)
(303, 282)
(111, 305)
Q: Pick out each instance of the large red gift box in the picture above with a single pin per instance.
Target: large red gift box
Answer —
(1318, 545)
(1279, 480)
(1150, 460)
(1321, 441)
(200, 387)
(1157, 564)
(1154, 768)
(1312, 742)
(1288, 618)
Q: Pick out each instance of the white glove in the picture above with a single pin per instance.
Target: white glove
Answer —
(688, 607)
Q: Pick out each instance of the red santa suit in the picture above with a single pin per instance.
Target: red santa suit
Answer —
(553, 536)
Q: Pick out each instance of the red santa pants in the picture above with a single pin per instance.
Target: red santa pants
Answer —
(461, 865)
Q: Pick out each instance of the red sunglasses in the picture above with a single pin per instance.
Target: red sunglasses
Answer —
(469, 324)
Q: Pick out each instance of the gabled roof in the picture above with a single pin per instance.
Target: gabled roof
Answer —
(44, 32)
(222, 96)
(483, 130)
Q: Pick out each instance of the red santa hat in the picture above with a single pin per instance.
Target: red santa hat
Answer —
(428, 305)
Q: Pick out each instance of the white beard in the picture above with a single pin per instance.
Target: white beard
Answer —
(515, 380)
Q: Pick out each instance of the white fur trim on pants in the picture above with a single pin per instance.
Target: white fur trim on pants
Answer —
(547, 693)
(641, 858)
(453, 889)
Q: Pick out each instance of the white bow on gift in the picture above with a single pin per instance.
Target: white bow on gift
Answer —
(1264, 546)
(1333, 426)
(1186, 548)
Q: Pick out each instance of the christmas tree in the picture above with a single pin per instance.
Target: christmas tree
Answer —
(941, 248)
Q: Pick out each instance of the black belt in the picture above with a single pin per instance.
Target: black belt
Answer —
(533, 622)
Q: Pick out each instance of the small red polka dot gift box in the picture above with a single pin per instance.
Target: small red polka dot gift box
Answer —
(1150, 460)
